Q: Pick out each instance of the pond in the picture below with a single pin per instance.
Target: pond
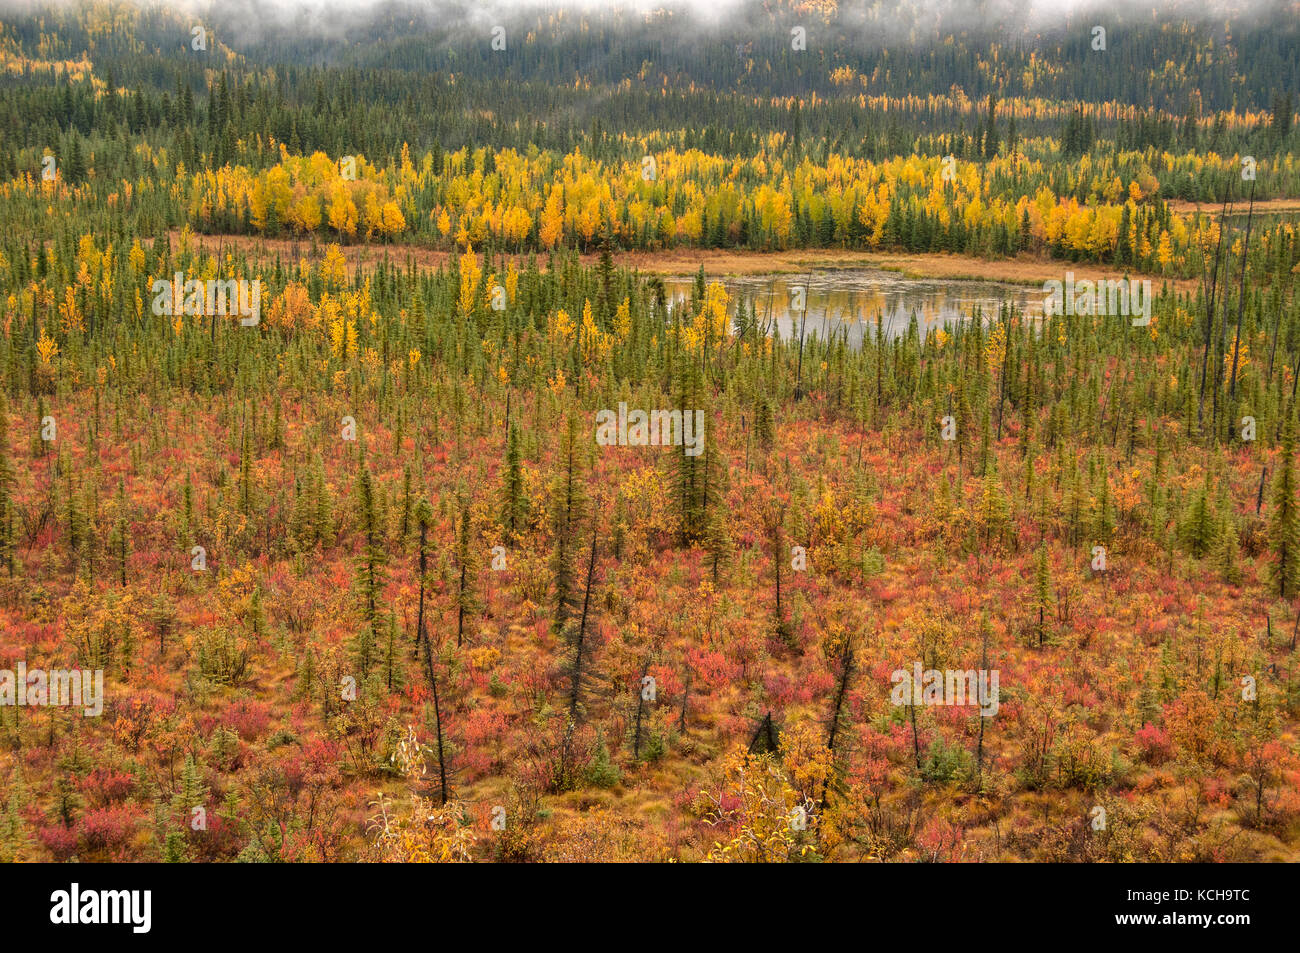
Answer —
(850, 300)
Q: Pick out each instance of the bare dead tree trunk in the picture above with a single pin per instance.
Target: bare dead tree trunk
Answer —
(832, 734)
(1241, 293)
(424, 565)
(1209, 314)
(979, 744)
(640, 710)
(579, 646)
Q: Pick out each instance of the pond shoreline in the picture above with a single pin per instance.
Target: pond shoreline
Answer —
(1026, 271)
(1029, 271)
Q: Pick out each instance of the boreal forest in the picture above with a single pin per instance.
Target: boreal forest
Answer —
(491, 432)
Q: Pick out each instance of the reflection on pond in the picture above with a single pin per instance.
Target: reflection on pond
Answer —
(850, 301)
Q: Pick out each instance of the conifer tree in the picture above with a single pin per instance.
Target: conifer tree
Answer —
(121, 539)
(193, 792)
(1228, 552)
(764, 431)
(246, 498)
(1103, 522)
(775, 519)
(370, 571)
(569, 510)
(692, 485)
(6, 492)
(1042, 591)
(718, 543)
(986, 445)
(1284, 521)
(466, 583)
(1200, 525)
(392, 655)
(78, 528)
(514, 509)
(423, 520)
(994, 510)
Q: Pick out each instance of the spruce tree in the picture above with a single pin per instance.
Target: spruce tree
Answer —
(423, 520)
(692, 485)
(6, 492)
(1284, 521)
(370, 571)
(764, 430)
(1103, 523)
(246, 496)
(392, 655)
(1199, 529)
(718, 543)
(1042, 591)
(1228, 552)
(121, 538)
(569, 510)
(514, 508)
(467, 565)
(994, 510)
(775, 519)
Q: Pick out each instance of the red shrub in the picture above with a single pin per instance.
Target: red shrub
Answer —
(1153, 744)
(108, 829)
(106, 785)
(58, 840)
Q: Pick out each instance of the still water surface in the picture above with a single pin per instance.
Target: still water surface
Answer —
(850, 300)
